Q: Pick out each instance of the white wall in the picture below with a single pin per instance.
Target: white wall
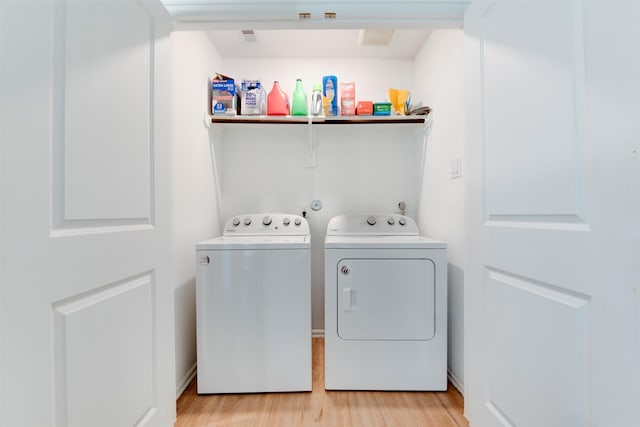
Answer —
(361, 169)
(439, 81)
(194, 210)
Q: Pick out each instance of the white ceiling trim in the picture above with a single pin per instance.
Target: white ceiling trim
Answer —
(283, 14)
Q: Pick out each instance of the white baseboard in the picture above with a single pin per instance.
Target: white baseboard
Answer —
(191, 374)
(317, 333)
(456, 382)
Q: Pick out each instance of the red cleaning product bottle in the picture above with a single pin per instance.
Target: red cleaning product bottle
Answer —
(277, 101)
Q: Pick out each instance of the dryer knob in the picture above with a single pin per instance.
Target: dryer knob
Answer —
(204, 260)
(297, 221)
(236, 222)
(266, 220)
(247, 221)
(286, 221)
(371, 220)
(391, 221)
(402, 221)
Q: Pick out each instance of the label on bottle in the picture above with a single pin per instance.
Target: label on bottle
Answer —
(316, 103)
(251, 93)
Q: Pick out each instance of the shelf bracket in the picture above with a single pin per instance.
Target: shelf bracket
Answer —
(311, 147)
(206, 120)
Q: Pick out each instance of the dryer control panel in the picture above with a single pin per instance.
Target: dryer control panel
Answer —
(267, 224)
(372, 225)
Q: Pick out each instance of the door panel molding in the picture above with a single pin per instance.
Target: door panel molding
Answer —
(93, 328)
(499, 414)
(559, 294)
(546, 178)
(551, 222)
(98, 197)
(536, 335)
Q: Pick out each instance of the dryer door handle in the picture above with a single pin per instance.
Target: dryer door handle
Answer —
(346, 299)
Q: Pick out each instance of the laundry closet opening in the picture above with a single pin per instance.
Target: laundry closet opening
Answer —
(226, 170)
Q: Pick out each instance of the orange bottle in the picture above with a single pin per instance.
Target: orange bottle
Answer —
(277, 101)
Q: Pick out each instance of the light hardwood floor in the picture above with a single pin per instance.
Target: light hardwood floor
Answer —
(322, 408)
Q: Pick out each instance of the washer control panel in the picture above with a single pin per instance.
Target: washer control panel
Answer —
(375, 225)
(266, 224)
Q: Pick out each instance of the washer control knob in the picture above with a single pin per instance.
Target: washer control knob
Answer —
(204, 260)
(371, 220)
(236, 222)
(391, 221)
(297, 221)
(402, 221)
(247, 221)
(286, 221)
(266, 220)
(344, 270)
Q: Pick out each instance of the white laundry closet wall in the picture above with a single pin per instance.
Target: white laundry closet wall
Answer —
(439, 71)
(194, 210)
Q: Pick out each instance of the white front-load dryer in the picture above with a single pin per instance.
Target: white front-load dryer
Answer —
(385, 305)
(253, 306)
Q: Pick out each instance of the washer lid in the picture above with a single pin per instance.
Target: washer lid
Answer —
(240, 242)
(382, 242)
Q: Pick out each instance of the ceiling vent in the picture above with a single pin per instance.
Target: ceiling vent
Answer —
(249, 36)
(375, 37)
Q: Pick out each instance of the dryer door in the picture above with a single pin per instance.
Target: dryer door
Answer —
(386, 299)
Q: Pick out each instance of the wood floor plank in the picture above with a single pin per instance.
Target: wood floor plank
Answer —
(321, 408)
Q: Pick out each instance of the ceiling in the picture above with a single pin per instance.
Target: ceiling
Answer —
(404, 44)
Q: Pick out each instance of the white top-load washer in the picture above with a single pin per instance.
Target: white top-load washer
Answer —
(253, 306)
(385, 305)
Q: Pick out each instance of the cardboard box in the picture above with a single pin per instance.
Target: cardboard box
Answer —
(364, 108)
(382, 109)
(223, 95)
(348, 99)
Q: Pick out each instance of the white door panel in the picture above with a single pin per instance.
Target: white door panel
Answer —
(551, 288)
(87, 328)
(103, 151)
(535, 147)
(103, 69)
(533, 327)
